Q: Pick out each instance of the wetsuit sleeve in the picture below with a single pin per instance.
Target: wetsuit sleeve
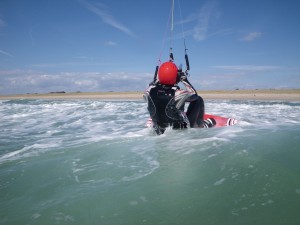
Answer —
(182, 96)
(147, 91)
(189, 87)
(191, 90)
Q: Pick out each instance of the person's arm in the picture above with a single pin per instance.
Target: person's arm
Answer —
(189, 87)
(147, 91)
(187, 84)
(187, 95)
(182, 95)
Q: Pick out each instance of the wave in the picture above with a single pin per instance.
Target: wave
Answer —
(30, 125)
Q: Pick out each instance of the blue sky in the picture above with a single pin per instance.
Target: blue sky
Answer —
(89, 45)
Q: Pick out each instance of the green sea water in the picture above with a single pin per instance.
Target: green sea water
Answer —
(95, 162)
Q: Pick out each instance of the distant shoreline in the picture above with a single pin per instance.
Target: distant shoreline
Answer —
(284, 95)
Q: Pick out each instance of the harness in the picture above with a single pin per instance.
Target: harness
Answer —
(162, 107)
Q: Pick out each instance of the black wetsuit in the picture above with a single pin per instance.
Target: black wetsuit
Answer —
(166, 107)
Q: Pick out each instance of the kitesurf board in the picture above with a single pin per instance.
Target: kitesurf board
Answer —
(219, 120)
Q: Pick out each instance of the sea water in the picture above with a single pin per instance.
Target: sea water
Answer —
(95, 162)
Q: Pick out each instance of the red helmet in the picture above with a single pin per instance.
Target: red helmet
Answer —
(167, 73)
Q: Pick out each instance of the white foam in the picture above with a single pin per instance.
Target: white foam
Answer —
(28, 151)
(44, 124)
(219, 182)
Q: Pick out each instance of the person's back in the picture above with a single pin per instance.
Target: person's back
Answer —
(162, 108)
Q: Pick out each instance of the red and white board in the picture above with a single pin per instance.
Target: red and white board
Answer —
(220, 121)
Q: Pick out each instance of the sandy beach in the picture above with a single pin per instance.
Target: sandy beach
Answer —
(284, 95)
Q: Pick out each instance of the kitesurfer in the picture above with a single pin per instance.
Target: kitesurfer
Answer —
(166, 101)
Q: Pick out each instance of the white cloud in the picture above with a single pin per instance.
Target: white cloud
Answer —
(110, 43)
(247, 77)
(5, 53)
(208, 12)
(251, 36)
(248, 68)
(190, 18)
(100, 10)
(28, 81)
